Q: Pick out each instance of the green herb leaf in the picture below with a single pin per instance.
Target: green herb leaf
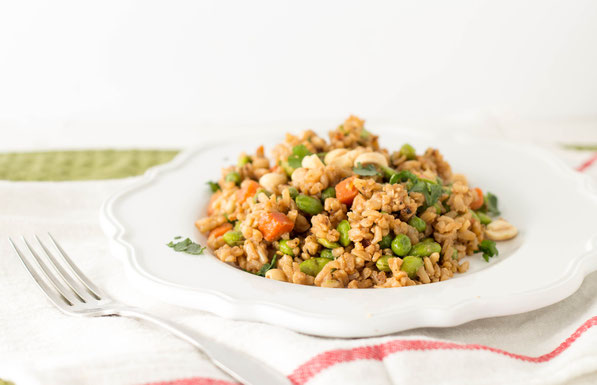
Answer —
(430, 190)
(296, 158)
(186, 246)
(368, 170)
(268, 266)
(214, 186)
(490, 204)
(487, 246)
(403, 176)
(301, 150)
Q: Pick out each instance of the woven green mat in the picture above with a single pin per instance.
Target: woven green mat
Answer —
(79, 165)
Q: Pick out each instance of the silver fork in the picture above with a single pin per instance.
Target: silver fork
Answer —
(74, 294)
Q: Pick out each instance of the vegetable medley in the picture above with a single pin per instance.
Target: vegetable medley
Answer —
(348, 213)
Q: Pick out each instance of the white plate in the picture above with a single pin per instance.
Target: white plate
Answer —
(553, 207)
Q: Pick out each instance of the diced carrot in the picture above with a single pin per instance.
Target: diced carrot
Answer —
(220, 230)
(477, 198)
(212, 200)
(345, 190)
(248, 188)
(273, 225)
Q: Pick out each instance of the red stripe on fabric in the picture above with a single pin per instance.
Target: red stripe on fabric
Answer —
(194, 381)
(309, 369)
(587, 163)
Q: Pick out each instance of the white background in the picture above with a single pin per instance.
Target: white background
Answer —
(125, 72)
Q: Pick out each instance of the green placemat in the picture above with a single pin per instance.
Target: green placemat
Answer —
(79, 165)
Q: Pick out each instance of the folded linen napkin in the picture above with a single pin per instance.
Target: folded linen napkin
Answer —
(40, 345)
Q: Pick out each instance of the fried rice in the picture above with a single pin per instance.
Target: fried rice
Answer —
(348, 213)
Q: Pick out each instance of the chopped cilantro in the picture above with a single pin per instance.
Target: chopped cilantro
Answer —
(487, 246)
(403, 176)
(490, 205)
(298, 153)
(368, 170)
(431, 191)
(213, 186)
(268, 266)
(186, 246)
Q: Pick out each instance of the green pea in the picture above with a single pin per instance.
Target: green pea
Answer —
(326, 253)
(484, 218)
(382, 263)
(418, 223)
(408, 151)
(313, 266)
(329, 192)
(327, 244)
(233, 238)
(283, 247)
(410, 265)
(309, 204)
(293, 192)
(425, 249)
(243, 160)
(454, 254)
(233, 176)
(401, 245)
(386, 241)
(343, 228)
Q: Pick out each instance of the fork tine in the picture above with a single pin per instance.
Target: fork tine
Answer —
(57, 299)
(82, 277)
(81, 291)
(66, 293)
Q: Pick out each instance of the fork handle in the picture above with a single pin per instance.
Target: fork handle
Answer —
(238, 365)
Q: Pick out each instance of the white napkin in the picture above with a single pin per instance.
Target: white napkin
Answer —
(40, 345)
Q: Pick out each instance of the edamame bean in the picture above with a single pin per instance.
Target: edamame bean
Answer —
(382, 263)
(343, 228)
(484, 218)
(309, 204)
(418, 223)
(233, 238)
(327, 244)
(233, 176)
(313, 266)
(410, 265)
(386, 241)
(401, 245)
(329, 192)
(326, 253)
(408, 151)
(293, 192)
(283, 247)
(425, 249)
(243, 160)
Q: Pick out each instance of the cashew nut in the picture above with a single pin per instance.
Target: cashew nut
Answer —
(298, 175)
(276, 274)
(271, 180)
(371, 157)
(311, 162)
(500, 230)
(334, 154)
